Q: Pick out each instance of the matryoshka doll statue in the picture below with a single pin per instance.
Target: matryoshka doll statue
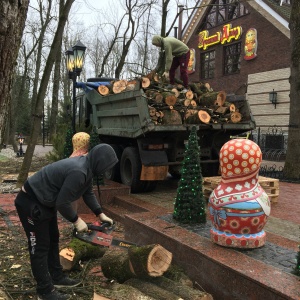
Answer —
(238, 206)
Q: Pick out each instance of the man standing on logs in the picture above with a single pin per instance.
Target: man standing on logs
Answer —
(177, 54)
(53, 189)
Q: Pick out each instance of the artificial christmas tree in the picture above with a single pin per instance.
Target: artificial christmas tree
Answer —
(189, 202)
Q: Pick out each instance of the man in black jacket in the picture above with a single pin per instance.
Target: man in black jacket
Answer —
(53, 189)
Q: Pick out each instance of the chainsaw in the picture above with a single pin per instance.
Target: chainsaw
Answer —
(100, 234)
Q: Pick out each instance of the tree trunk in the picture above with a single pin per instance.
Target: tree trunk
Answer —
(12, 22)
(144, 261)
(152, 290)
(37, 117)
(78, 250)
(56, 84)
(292, 162)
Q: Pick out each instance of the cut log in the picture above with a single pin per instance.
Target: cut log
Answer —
(169, 98)
(190, 112)
(131, 85)
(221, 97)
(145, 82)
(193, 103)
(145, 261)
(78, 250)
(171, 116)
(187, 293)
(150, 260)
(235, 117)
(152, 290)
(208, 99)
(189, 95)
(222, 110)
(177, 274)
(208, 87)
(119, 292)
(119, 86)
(152, 111)
(204, 116)
(103, 90)
(176, 92)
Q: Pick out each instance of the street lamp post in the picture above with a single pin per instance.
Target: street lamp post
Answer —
(75, 57)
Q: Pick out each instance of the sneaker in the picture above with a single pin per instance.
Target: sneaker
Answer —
(66, 282)
(54, 295)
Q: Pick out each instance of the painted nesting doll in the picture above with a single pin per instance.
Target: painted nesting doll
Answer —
(238, 206)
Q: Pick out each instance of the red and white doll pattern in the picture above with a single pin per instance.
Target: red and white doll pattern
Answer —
(239, 207)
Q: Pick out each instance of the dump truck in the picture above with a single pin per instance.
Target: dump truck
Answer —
(150, 152)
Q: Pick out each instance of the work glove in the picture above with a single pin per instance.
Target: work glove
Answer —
(80, 225)
(166, 75)
(104, 218)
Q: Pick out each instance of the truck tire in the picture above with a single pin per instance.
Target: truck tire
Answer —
(130, 168)
(114, 173)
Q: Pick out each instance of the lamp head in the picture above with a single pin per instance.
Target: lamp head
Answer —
(79, 51)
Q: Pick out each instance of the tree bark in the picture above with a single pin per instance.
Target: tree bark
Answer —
(12, 22)
(78, 250)
(292, 162)
(144, 261)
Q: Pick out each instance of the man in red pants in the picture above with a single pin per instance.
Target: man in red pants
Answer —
(177, 54)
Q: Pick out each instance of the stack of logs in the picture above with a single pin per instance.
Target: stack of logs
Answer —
(200, 104)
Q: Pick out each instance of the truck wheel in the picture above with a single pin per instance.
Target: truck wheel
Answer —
(130, 168)
(114, 173)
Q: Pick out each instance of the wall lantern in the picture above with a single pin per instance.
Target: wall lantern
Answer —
(273, 98)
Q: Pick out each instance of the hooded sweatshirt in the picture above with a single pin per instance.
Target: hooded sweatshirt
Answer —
(58, 184)
(171, 46)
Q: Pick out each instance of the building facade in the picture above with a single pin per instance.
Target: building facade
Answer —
(243, 48)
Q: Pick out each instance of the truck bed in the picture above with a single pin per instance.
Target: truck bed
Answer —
(127, 115)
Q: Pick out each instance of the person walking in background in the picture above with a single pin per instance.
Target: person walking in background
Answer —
(53, 189)
(177, 54)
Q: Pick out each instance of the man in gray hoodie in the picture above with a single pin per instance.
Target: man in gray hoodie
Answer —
(53, 189)
(177, 54)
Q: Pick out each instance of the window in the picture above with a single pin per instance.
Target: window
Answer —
(223, 11)
(232, 59)
(207, 62)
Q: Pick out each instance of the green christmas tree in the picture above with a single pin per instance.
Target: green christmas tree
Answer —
(68, 148)
(297, 268)
(189, 201)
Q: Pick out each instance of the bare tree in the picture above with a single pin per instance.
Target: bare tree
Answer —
(38, 114)
(12, 22)
(56, 82)
(292, 162)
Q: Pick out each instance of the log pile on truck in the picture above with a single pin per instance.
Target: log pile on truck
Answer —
(200, 104)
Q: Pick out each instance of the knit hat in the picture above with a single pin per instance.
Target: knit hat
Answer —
(80, 142)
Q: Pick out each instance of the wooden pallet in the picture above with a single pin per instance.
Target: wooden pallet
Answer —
(270, 185)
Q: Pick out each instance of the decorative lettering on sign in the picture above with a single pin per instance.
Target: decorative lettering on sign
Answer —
(227, 35)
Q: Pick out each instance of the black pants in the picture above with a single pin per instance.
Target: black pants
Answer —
(41, 228)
